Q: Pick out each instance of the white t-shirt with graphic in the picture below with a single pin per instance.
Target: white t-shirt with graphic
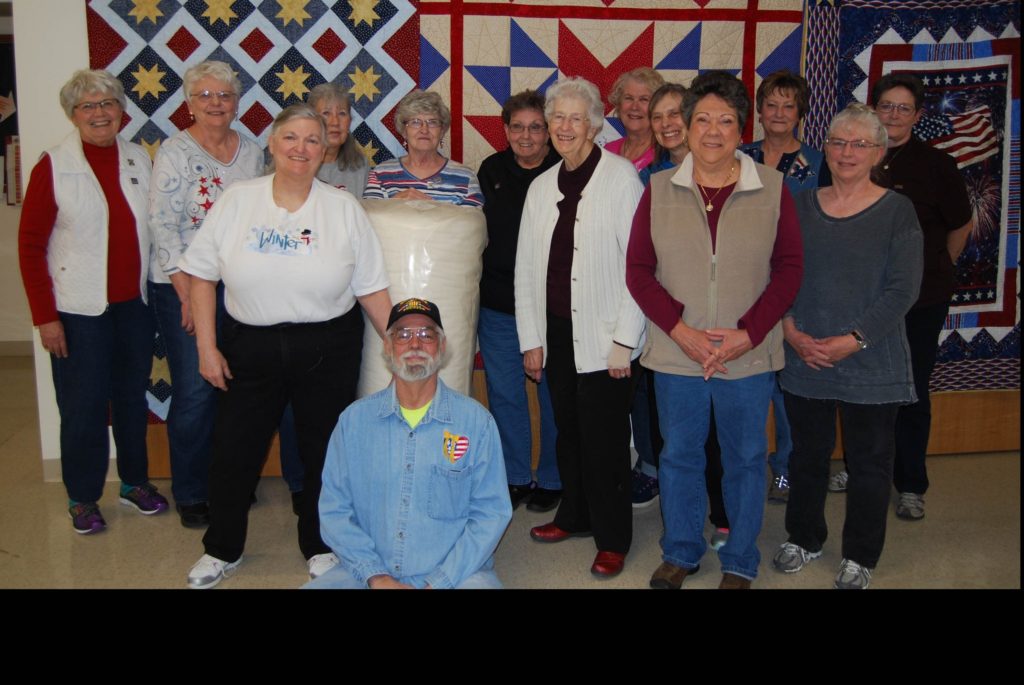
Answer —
(280, 266)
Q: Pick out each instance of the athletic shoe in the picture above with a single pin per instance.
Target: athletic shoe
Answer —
(791, 558)
(779, 489)
(209, 571)
(837, 483)
(910, 507)
(320, 564)
(86, 518)
(852, 576)
(719, 538)
(145, 499)
(645, 490)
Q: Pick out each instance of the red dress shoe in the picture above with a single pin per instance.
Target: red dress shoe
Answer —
(549, 532)
(608, 564)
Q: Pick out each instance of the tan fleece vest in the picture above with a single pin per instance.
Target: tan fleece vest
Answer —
(715, 289)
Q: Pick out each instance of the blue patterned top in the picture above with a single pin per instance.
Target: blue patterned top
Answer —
(454, 183)
(802, 169)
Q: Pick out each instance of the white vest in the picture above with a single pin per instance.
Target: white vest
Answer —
(77, 252)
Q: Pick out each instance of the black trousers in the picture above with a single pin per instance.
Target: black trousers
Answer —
(868, 443)
(592, 416)
(914, 421)
(315, 366)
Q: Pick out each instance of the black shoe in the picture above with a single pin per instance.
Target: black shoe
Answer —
(519, 493)
(194, 515)
(296, 499)
(544, 500)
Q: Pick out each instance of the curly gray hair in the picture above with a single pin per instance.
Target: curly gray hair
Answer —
(221, 71)
(85, 81)
(580, 89)
(419, 102)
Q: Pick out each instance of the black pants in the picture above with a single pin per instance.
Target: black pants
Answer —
(315, 366)
(868, 443)
(914, 421)
(592, 416)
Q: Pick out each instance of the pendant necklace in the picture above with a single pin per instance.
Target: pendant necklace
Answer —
(886, 165)
(709, 206)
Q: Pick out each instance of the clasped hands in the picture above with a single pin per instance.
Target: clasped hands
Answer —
(711, 348)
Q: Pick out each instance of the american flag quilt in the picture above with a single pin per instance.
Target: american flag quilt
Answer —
(968, 56)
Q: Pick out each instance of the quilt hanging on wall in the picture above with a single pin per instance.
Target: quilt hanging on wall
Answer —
(474, 53)
(968, 56)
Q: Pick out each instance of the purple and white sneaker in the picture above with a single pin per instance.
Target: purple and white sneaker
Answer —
(86, 518)
(145, 498)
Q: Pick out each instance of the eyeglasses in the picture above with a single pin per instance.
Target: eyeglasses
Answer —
(207, 95)
(420, 123)
(888, 107)
(838, 144)
(426, 335)
(534, 129)
(575, 120)
(106, 105)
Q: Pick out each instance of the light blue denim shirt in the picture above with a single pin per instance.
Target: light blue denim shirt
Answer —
(425, 505)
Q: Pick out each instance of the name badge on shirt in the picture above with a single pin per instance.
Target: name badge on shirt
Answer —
(454, 446)
(299, 242)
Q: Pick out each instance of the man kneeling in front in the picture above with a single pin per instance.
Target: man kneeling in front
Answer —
(414, 492)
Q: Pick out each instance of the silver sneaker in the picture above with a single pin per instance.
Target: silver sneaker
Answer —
(320, 564)
(209, 571)
(719, 538)
(779, 490)
(837, 483)
(791, 558)
(852, 576)
(910, 507)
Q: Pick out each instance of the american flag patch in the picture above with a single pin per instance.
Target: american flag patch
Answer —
(455, 446)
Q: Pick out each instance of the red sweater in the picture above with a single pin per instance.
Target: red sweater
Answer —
(665, 311)
(39, 214)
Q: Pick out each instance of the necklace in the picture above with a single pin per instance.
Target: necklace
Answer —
(895, 155)
(709, 206)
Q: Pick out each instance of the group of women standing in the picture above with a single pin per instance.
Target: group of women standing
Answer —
(706, 243)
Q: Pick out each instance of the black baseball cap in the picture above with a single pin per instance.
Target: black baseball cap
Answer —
(415, 305)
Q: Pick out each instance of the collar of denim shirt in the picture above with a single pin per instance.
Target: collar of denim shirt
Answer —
(440, 406)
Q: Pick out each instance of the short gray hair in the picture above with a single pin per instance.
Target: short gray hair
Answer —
(422, 102)
(858, 113)
(85, 81)
(644, 75)
(221, 71)
(300, 110)
(580, 89)
(349, 156)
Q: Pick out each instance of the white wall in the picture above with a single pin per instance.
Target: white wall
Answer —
(15, 320)
(50, 42)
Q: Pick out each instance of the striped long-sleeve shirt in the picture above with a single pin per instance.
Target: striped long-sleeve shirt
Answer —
(454, 183)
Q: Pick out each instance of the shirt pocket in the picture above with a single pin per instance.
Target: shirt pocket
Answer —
(449, 493)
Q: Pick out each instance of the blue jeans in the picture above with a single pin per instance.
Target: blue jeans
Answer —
(779, 459)
(741, 411)
(193, 400)
(644, 421)
(107, 369)
(340, 579)
(506, 395)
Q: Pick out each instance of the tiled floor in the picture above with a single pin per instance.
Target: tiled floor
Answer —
(970, 537)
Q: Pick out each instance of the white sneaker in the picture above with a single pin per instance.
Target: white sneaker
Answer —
(790, 558)
(852, 576)
(209, 571)
(837, 483)
(320, 564)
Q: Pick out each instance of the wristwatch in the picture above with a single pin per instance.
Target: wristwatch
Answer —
(861, 342)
